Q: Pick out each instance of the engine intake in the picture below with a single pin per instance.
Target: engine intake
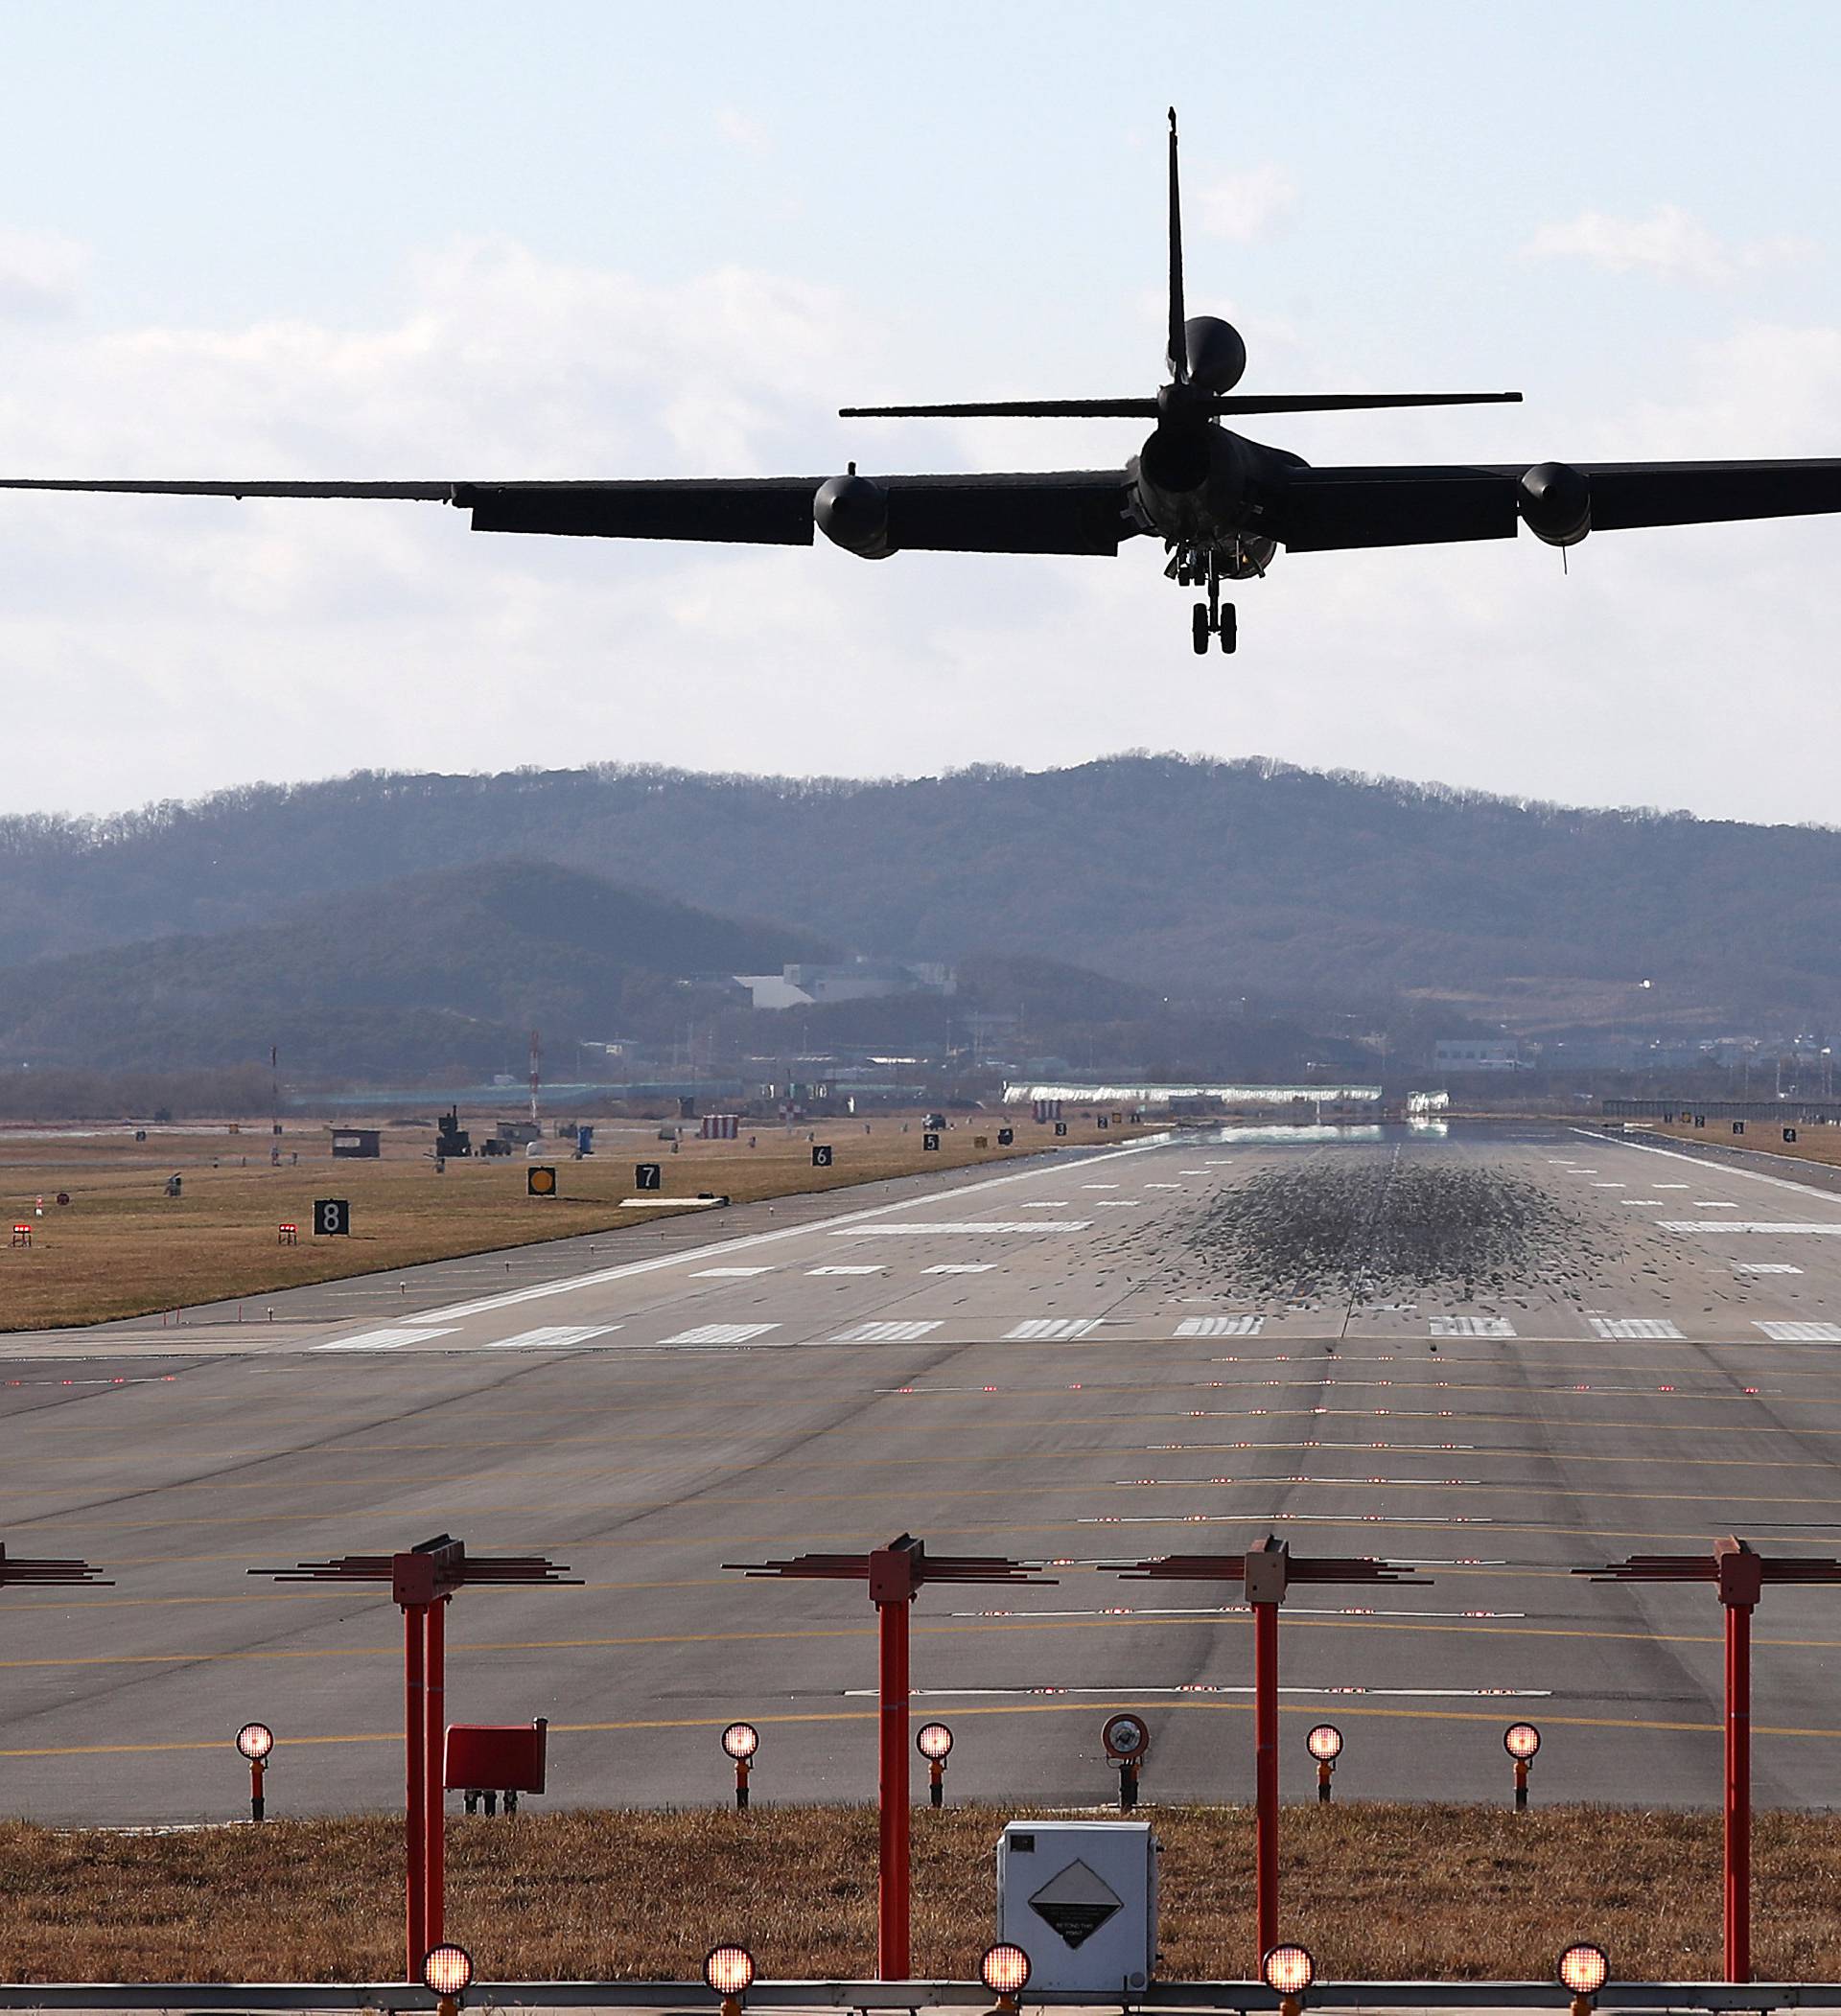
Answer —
(1216, 356)
(1556, 502)
(852, 512)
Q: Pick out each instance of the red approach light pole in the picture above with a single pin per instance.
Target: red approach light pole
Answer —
(421, 1580)
(1739, 1574)
(1266, 1571)
(894, 1574)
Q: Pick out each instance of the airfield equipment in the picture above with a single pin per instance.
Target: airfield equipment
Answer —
(485, 1758)
(1004, 1969)
(1080, 1897)
(422, 1579)
(729, 1971)
(1265, 1572)
(446, 1973)
(1325, 1744)
(1126, 1741)
(1522, 1740)
(740, 1740)
(934, 1741)
(895, 1576)
(255, 1742)
(1739, 1574)
(1221, 504)
(1288, 1971)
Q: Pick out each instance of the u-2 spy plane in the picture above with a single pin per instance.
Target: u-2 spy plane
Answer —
(1221, 504)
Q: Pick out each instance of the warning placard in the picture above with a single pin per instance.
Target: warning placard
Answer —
(1076, 1902)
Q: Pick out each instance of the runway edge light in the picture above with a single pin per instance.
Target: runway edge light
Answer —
(1288, 1971)
(1522, 1740)
(729, 1971)
(934, 1741)
(1005, 1970)
(446, 1973)
(1583, 1970)
(255, 1740)
(740, 1740)
(1325, 1745)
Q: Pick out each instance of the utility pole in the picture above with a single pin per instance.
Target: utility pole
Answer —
(536, 1071)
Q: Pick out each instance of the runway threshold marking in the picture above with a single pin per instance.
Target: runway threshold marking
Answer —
(382, 1339)
(1801, 1332)
(717, 1248)
(721, 1333)
(1613, 1328)
(554, 1336)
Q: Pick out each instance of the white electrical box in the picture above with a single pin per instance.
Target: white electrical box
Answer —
(1080, 1897)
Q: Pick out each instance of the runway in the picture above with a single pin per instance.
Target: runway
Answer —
(1493, 1355)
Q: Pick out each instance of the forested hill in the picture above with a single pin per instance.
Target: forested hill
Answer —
(1246, 876)
(449, 970)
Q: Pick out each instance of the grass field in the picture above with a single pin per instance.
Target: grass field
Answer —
(121, 1248)
(1376, 1891)
(1811, 1144)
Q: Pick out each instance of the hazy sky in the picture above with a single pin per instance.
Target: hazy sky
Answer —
(471, 240)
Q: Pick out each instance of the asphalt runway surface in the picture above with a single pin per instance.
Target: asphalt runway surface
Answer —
(1495, 1356)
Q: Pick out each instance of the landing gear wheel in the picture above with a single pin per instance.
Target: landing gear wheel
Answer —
(1202, 628)
(1229, 628)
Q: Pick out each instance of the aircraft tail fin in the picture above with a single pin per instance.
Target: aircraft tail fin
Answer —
(1179, 355)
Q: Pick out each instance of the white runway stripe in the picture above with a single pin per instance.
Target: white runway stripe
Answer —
(385, 1339)
(1610, 1327)
(570, 1283)
(890, 1332)
(974, 1225)
(554, 1336)
(1471, 1326)
(726, 1273)
(966, 1266)
(1801, 1332)
(1764, 1267)
(721, 1333)
(1039, 1329)
(1220, 1326)
(846, 1271)
(1765, 1225)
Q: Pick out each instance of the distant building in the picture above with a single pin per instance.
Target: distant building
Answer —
(806, 984)
(1478, 1054)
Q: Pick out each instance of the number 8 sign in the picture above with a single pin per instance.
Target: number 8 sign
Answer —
(332, 1218)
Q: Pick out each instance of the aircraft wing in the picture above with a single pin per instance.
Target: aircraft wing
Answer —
(1319, 510)
(1072, 511)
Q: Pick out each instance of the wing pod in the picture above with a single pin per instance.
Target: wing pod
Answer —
(1556, 502)
(852, 512)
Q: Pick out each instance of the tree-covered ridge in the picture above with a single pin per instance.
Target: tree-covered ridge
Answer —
(442, 971)
(1224, 877)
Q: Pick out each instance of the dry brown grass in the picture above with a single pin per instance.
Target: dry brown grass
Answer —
(1376, 1891)
(1764, 1136)
(123, 1248)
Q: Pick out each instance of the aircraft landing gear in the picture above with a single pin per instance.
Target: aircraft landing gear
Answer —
(1213, 618)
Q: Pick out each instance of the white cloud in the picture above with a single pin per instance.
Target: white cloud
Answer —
(165, 646)
(1245, 207)
(40, 273)
(1668, 244)
(739, 130)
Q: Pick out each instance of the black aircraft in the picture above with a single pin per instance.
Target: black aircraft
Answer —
(1221, 504)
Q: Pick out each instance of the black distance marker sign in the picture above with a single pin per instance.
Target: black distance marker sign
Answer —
(648, 1175)
(821, 1155)
(332, 1218)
